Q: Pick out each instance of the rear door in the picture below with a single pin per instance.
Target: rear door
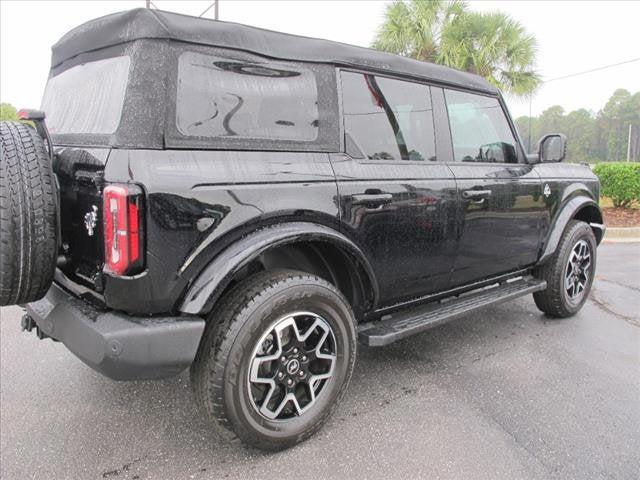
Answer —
(397, 199)
(500, 195)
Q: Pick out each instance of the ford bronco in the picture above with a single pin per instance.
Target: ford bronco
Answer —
(251, 205)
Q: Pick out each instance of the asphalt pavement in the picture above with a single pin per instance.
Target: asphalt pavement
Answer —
(502, 394)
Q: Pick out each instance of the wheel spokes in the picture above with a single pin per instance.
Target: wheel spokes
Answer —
(576, 275)
(568, 278)
(293, 369)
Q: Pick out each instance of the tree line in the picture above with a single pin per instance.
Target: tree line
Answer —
(591, 137)
(499, 48)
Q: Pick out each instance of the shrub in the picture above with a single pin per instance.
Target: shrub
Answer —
(619, 181)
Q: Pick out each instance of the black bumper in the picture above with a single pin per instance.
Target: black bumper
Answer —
(115, 344)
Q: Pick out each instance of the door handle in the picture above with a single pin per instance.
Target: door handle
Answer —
(371, 199)
(476, 194)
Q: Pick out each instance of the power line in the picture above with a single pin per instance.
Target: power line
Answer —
(604, 67)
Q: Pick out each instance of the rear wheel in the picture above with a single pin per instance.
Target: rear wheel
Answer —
(275, 359)
(569, 273)
(28, 215)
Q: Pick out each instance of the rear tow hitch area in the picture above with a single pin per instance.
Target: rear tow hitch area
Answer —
(28, 324)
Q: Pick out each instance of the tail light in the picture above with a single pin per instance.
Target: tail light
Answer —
(123, 229)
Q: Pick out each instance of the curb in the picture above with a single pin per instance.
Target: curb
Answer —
(622, 234)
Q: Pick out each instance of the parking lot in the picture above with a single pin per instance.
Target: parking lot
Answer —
(506, 393)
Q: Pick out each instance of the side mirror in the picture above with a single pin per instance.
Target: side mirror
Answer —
(552, 148)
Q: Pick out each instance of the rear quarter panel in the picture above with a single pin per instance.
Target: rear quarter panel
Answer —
(199, 202)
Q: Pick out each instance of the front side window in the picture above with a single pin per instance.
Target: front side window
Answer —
(388, 119)
(220, 97)
(479, 129)
(87, 98)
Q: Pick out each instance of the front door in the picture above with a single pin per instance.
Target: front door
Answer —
(500, 196)
(397, 199)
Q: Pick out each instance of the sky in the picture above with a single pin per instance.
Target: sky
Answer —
(572, 37)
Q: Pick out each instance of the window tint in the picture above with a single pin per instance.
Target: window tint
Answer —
(388, 119)
(219, 97)
(87, 98)
(479, 129)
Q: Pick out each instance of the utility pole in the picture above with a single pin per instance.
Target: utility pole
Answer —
(215, 11)
(629, 143)
(148, 3)
(530, 101)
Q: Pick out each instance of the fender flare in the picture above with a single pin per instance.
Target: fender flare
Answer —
(211, 282)
(568, 211)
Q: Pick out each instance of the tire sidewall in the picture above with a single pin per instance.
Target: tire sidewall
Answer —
(246, 421)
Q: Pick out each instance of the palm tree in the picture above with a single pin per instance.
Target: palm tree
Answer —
(447, 32)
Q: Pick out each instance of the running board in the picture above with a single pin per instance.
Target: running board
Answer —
(409, 322)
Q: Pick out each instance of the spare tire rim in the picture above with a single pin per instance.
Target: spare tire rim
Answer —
(291, 366)
(576, 276)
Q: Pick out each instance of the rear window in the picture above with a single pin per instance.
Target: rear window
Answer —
(87, 98)
(220, 97)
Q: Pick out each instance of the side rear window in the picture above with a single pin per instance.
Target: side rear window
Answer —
(388, 119)
(479, 129)
(220, 97)
(87, 98)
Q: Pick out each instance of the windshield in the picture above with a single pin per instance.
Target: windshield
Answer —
(87, 98)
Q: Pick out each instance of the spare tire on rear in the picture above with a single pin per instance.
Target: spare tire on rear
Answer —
(28, 215)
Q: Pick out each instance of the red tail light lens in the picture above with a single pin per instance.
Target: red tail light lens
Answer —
(123, 240)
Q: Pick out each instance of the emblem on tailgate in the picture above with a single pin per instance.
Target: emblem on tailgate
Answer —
(90, 220)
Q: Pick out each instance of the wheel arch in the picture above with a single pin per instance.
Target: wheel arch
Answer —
(304, 246)
(576, 208)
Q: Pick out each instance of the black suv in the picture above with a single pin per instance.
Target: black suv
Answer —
(251, 205)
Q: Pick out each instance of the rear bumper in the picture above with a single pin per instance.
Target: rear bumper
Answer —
(115, 344)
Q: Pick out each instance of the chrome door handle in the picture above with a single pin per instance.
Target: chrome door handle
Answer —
(476, 194)
(371, 199)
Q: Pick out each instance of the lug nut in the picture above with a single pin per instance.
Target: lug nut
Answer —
(280, 374)
(283, 359)
(301, 373)
(304, 358)
(289, 382)
(295, 350)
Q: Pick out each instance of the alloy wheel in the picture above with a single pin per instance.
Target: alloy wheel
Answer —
(577, 270)
(291, 365)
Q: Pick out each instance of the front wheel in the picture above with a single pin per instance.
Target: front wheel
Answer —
(569, 273)
(275, 359)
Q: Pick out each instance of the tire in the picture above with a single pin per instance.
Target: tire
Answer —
(231, 346)
(28, 215)
(557, 300)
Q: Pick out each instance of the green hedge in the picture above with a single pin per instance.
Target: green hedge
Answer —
(619, 181)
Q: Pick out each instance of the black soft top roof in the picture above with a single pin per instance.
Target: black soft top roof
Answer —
(144, 23)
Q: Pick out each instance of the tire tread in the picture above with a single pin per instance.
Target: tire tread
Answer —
(28, 215)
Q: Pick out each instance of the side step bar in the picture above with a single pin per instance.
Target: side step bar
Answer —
(409, 322)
